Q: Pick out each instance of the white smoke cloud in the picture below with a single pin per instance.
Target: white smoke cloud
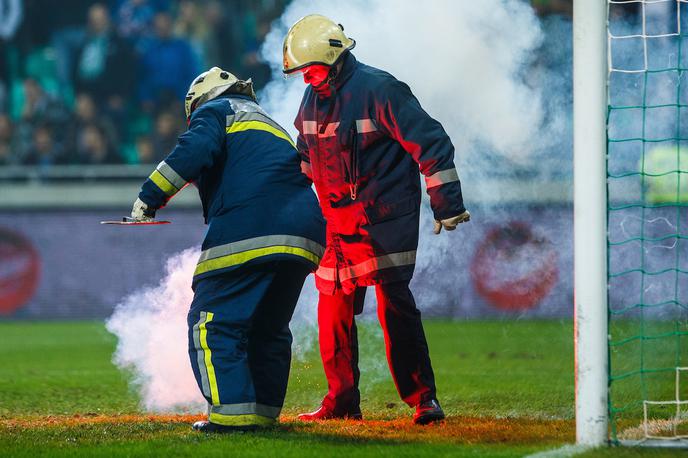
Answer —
(464, 60)
(151, 329)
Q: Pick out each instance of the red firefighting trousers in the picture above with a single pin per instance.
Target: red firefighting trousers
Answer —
(407, 348)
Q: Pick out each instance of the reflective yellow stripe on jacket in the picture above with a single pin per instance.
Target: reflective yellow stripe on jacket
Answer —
(236, 253)
(255, 120)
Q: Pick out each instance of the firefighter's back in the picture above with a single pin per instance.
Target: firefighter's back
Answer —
(256, 189)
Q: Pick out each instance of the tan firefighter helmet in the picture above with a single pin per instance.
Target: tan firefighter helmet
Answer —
(211, 84)
(314, 39)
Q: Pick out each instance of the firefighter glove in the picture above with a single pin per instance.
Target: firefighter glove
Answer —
(451, 223)
(141, 211)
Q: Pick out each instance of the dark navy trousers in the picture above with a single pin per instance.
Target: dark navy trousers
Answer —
(240, 342)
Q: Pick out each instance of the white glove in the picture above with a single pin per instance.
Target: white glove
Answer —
(451, 223)
(141, 212)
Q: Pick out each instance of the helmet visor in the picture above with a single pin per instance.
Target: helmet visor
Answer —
(315, 74)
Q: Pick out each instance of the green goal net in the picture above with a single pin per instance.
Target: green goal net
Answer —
(647, 182)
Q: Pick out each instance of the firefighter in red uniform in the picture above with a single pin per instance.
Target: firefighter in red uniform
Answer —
(363, 137)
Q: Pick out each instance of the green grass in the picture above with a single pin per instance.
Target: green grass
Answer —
(507, 386)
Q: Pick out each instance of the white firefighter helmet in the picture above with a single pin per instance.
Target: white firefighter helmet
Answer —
(314, 39)
(211, 84)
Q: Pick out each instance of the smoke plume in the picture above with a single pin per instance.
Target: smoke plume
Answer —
(150, 325)
(465, 62)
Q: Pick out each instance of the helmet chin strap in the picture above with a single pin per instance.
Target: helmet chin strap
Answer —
(329, 81)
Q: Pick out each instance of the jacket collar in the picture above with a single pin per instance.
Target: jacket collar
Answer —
(348, 67)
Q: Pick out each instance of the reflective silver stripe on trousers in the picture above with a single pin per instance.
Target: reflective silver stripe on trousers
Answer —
(364, 126)
(311, 128)
(200, 356)
(247, 408)
(441, 177)
(403, 258)
(262, 242)
(170, 175)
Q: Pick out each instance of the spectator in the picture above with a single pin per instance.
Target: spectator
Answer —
(626, 10)
(3, 96)
(145, 152)
(39, 108)
(85, 115)
(254, 65)
(168, 66)
(105, 65)
(93, 148)
(44, 150)
(225, 46)
(134, 20)
(7, 154)
(167, 129)
(192, 24)
(549, 7)
(66, 31)
(10, 18)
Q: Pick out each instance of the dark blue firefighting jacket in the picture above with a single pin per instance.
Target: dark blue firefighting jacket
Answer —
(363, 145)
(256, 202)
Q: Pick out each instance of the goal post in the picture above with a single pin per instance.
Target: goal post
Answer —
(630, 69)
(590, 219)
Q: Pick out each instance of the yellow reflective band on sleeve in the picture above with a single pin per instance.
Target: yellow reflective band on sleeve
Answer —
(241, 420)
(245, 256)
(161, 182)
(214, 393)
(171, 175)
(241, 126)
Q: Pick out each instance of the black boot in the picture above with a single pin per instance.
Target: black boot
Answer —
(428, 412)
(208, 427)
(327, 413)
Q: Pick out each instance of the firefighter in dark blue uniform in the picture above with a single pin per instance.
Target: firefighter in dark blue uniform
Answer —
(265, 235)
(363, 138)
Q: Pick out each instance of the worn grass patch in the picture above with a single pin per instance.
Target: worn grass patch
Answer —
(455, 430)
(172, 435)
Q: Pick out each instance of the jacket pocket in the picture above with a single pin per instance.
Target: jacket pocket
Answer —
(348, 145)
(380, 212)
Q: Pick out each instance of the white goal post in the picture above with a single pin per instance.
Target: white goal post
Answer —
(590, 219)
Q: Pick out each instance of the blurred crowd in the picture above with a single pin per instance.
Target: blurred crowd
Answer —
(103, 82)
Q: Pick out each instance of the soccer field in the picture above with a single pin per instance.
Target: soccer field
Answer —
(507, 388)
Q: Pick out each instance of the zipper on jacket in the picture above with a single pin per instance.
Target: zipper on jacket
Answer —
(351, 166)
(353, 185)
(330, 111)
